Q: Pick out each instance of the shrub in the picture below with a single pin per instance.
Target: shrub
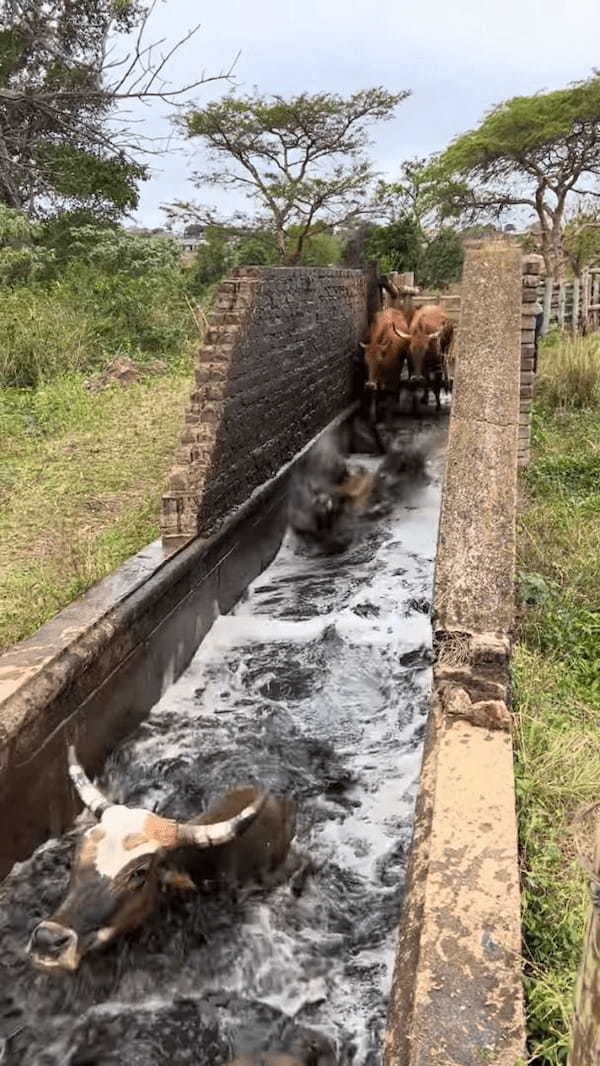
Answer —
(569, 373)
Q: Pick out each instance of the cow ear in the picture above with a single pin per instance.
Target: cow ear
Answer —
(176, 879)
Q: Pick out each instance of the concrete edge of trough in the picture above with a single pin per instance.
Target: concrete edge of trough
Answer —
(457, 997)
(92, 673)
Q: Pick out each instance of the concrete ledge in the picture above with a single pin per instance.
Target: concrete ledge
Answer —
(93, 672)
(457, 994)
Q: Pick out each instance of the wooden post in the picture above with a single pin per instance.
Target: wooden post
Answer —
(548, 289)
(561, 304)
(575, 314)
(585, 302)
(585, 1035)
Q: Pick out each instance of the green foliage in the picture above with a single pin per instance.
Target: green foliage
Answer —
(442, 260)
(569, 373)
(581, 240)
(214, 257)
(396, 247)
(58, 147)
(108, 186)
(221, 250)
(300, 159)
(558, 699)
(529, 151)
(21, 257)
(523, 129)
(109, 293)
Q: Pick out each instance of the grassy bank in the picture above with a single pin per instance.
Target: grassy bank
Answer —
(80, 480)
(558, 680)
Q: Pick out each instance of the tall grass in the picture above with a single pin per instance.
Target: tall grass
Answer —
(557, 684)
(85, 318)
(569, 373)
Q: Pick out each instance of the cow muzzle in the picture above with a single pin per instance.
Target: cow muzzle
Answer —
(54, 947)
(417, 380)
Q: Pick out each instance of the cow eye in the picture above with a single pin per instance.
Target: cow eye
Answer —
(138, 876)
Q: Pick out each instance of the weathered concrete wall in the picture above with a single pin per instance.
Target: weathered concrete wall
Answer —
(277, 364)
(457, 995)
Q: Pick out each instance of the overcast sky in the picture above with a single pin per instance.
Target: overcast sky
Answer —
(459, 59)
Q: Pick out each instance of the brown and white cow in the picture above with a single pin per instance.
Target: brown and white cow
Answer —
(123, 861)
(385, 352)
(428, 342)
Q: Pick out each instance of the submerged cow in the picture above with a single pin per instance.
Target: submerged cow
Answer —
(122, 863)
(329, 496)
(428, 343)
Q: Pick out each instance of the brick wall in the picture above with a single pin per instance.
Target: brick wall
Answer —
(277, 364)
(532, 266)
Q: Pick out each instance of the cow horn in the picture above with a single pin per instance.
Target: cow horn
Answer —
(405, 336)
(90, 796)
(365, 346)
(208, 836)
(434, 336)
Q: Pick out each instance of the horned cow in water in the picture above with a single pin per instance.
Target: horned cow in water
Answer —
(428, 342)
(330, 497)
(123, 861)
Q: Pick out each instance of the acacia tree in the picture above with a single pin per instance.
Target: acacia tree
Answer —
(533, 152)
(62, 81)
(300, 160)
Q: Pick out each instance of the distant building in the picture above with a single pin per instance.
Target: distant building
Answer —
(189, 245)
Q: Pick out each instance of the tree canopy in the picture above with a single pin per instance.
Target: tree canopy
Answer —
(62, 83)
(534, 152)
(300, 161)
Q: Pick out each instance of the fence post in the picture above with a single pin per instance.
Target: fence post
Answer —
(585, 1034)
(548, 289)
(575, 319)
(561, 304)
(585, 303)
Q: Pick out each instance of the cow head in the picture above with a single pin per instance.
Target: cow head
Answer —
(119, 867)
(421, 341)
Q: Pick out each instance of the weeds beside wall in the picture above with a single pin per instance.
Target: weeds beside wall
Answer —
(555, 669)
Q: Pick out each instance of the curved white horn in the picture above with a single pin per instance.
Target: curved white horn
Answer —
(405, 336)
(209, 836)
(434, 336)
(363, 345)
(90, 796)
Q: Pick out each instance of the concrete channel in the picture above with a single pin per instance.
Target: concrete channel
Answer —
(234, 657)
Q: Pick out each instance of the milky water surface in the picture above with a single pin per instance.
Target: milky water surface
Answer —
(317, 684)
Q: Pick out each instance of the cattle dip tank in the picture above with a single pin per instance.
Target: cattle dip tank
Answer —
(314, 688)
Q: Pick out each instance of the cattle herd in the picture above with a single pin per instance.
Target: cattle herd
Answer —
(129, 856)
(415, 341)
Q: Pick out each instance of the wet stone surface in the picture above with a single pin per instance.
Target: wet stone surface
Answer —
(316, 685)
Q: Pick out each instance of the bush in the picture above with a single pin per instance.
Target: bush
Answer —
(569, 373)
(113, 294)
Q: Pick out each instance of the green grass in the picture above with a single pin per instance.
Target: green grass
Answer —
(558, 698)
(81, 475)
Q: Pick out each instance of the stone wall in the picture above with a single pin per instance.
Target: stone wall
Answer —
(277, 364)
(532, 266)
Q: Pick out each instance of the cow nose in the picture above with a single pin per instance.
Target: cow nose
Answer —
(417, 379)
(50, 940)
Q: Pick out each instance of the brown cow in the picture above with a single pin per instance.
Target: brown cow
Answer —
(428, 341)
(385, 352)
(124, 860)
